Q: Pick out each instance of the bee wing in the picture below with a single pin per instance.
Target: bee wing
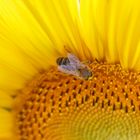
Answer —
(68, 69)
(73, 58)
(75, 61)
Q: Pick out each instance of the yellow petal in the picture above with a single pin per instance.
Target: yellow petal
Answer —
(6, 124)
(20, 28)
(5, 101)
(58, 19)
(111, 30)
(90, 12)
(127, 31)
(25, 46)
(136, 58)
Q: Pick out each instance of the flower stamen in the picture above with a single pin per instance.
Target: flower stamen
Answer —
(57, 106)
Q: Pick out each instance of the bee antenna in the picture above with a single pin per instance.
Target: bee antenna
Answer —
(67, 49)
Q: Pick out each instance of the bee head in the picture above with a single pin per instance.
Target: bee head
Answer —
(85, 73)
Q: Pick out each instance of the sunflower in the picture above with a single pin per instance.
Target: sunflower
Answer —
(39, 102)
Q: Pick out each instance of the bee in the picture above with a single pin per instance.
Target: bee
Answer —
(72, 65)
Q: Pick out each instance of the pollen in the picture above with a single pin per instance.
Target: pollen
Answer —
(58, 106)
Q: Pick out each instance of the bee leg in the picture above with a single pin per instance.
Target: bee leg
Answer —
(86, 62)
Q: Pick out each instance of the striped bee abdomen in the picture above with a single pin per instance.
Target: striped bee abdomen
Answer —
(62, 61)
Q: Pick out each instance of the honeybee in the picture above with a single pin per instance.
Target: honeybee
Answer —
(72, 65)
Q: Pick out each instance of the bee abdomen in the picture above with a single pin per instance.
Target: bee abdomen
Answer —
(62, 61)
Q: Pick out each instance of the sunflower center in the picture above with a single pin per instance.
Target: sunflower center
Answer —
(57, 106)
